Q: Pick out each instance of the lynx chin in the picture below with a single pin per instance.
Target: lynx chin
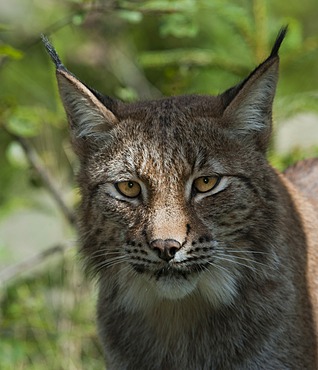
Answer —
(206, 257)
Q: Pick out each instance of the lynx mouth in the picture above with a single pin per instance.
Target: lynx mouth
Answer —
(162, 272)
(170, 272)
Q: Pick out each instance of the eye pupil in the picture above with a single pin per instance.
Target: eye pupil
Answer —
(130, 184)
(206, 180)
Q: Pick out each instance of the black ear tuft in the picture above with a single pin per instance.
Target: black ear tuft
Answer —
(52, 53)
(280, 37)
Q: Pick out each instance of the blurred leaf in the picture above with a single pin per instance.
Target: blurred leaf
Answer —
(15, 155)
(291, 105)
(179, 25)
(130, 16)
(78, 19)
(190, 57)
(4, 27)
(163, 6)
(80, 1)
(10, 51)
(127, 94)
(25, 121)
(281, 162)
(294, 41)
(11, 354)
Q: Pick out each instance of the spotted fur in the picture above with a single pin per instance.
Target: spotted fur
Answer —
(224, 279)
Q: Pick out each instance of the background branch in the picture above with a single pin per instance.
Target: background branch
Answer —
(46, 177)
(19, 268)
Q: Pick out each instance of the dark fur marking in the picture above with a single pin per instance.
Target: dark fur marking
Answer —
(139, 268)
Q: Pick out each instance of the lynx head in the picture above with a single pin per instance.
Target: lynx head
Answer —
(177, 197)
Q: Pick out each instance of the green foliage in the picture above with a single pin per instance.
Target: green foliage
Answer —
(16, 156)
(25, 121)
(46, 321)
(281, 162)
(179, 25)
(11, 52)
(130, 50)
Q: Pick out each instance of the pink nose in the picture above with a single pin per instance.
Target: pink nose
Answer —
(166, 249)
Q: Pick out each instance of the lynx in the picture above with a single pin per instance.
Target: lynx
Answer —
(206, 257)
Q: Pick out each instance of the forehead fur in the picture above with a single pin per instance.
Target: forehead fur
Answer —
(176, 136)
(170, 125)
(170, 121)
(166, 108)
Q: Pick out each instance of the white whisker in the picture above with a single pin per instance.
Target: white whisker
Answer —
(107, 263)
(245, 251)
(250, 260)
(219, 267)
(224, 257)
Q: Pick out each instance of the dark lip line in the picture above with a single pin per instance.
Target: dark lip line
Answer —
(172, 271)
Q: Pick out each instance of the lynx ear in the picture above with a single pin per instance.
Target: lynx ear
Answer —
(248, 106)
(86, 113)
(88, 117)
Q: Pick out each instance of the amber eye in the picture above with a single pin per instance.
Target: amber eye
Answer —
(205, 183)
(130, 189)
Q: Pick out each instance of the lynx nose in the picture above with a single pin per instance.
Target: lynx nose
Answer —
(166, 249)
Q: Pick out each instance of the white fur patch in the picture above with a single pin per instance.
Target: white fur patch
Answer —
(219, 287)
(143, 292)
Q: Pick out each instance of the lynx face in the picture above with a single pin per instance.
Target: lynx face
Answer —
(173, 206)
(177, 196)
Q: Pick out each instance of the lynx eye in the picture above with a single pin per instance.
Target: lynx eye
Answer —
(130, 189)
(206, 183)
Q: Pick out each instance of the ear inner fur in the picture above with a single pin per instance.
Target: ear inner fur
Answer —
(83, 106)
(251, 108)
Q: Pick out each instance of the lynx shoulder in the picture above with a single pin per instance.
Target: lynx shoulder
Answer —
(206, 257)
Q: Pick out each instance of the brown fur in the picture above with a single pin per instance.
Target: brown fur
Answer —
(238, 287)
